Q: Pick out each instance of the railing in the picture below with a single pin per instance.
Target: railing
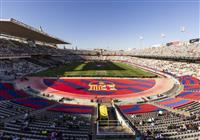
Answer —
(112, 127)
(122, 119)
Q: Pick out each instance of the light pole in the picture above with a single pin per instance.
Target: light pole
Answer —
(141, 41)
(182, 30)
(162, 37)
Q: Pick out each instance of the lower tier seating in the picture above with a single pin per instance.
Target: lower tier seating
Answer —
(49, 125)
(9, 109)
(165, 124)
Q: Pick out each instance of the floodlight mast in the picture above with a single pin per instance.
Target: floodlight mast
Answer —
(182, 30)
(141, 41)
(162, 38)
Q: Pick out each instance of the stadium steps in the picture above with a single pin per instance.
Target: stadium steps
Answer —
(116, 137)
(113, 129)
(93, 123)
(111, 113)
(171, 109)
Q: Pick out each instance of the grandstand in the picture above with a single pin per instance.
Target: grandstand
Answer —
(47, 93)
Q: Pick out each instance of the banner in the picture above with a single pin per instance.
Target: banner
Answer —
(103, 112)
(194, 40)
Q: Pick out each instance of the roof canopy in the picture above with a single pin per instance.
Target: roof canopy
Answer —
(16, 28)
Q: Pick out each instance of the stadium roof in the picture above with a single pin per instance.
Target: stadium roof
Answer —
(16, 28)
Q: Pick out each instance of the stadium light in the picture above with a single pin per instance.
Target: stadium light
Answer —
(182, 29)
(162, 37)
(141, 37)
(141, 41)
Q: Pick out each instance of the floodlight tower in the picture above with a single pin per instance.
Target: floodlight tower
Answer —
(162, 37)
(141, 41)
(182, 30)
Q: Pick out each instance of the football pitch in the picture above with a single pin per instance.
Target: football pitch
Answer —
(95, 69)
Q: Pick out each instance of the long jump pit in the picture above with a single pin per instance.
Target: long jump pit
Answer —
(96, 88)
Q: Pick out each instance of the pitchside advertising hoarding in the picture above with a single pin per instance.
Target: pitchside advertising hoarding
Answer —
(173, 43)
(177, 43)
(194, 40)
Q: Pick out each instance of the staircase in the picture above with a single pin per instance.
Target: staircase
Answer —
(111, 113)
(113, 128)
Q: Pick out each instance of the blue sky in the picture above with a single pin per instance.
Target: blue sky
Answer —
(112, 24)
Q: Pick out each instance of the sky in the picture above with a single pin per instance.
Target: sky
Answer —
(109, 24)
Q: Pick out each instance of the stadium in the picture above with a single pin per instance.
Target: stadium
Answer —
(49, 93)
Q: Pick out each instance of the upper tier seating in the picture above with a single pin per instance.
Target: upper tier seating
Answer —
(10, 47)
(174, 68)
(189, 50)
(16, 68)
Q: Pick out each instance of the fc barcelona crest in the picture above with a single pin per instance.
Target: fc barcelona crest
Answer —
(102, 86)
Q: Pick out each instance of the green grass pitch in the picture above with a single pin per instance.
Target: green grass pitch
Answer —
(95, 69)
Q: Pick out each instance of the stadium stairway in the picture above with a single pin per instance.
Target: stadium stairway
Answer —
(113, 129)
(111, 113)
(170, 109)
(93, 123)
